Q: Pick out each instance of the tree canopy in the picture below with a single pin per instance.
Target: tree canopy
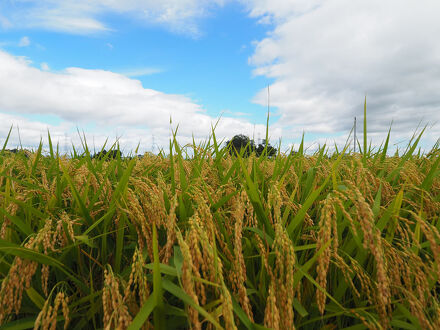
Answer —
(242, 144)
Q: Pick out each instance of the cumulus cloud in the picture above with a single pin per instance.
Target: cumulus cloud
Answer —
(325, 56)
(84, 16)
(28, 132)
(114, 103)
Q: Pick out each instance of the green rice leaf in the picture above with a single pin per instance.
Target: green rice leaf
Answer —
(143, 314)
(179, 293)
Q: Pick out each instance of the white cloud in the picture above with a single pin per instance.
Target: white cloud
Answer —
(71, 24)
(279, 10)
(24, 42)
(84, 16)
(114, 103)
(325, 56)
(29, 132)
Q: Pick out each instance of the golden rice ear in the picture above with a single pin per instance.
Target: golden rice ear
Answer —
(187, 281)
(116, 312)
(47, 318)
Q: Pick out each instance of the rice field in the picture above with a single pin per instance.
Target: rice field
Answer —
(214, 241)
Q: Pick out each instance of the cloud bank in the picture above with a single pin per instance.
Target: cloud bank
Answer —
(113, 103)
(325, 56)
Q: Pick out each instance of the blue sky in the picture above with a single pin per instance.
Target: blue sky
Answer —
(122, 68)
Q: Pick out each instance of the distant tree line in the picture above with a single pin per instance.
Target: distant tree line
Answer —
(241, 144)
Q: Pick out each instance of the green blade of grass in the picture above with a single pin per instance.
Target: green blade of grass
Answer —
(36, 298)
(299, 217)
(6, 141)
(298, 276)
(26, 206)
(320, 288)
(143, 314)
(256, 200)
(159, 313)
(299, 308)
(120, 242)
(37, 158)
(76, 195)
(40, 258)
(52, 154)
(263, 235)
(396, 209)
(427, 182)
(25, 323)
(393, 174)
(364, 158)
(182, 295)
(376, 204)
(23, 226)
(244, 318)
(390, 211)
(385, 148)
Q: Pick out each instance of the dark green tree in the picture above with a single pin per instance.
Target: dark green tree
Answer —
(111, 154)
(240, 144)
(270, 151)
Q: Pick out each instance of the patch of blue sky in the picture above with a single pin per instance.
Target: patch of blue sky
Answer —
(44, 118)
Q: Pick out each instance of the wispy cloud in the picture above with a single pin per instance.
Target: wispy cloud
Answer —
(24, 42)
(44, 66)
(75, 24)
(4, 22)
(139, 72)
(85, 17)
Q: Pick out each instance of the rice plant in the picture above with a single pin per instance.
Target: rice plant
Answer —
(217, 241)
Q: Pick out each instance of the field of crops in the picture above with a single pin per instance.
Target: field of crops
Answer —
(215, 241)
